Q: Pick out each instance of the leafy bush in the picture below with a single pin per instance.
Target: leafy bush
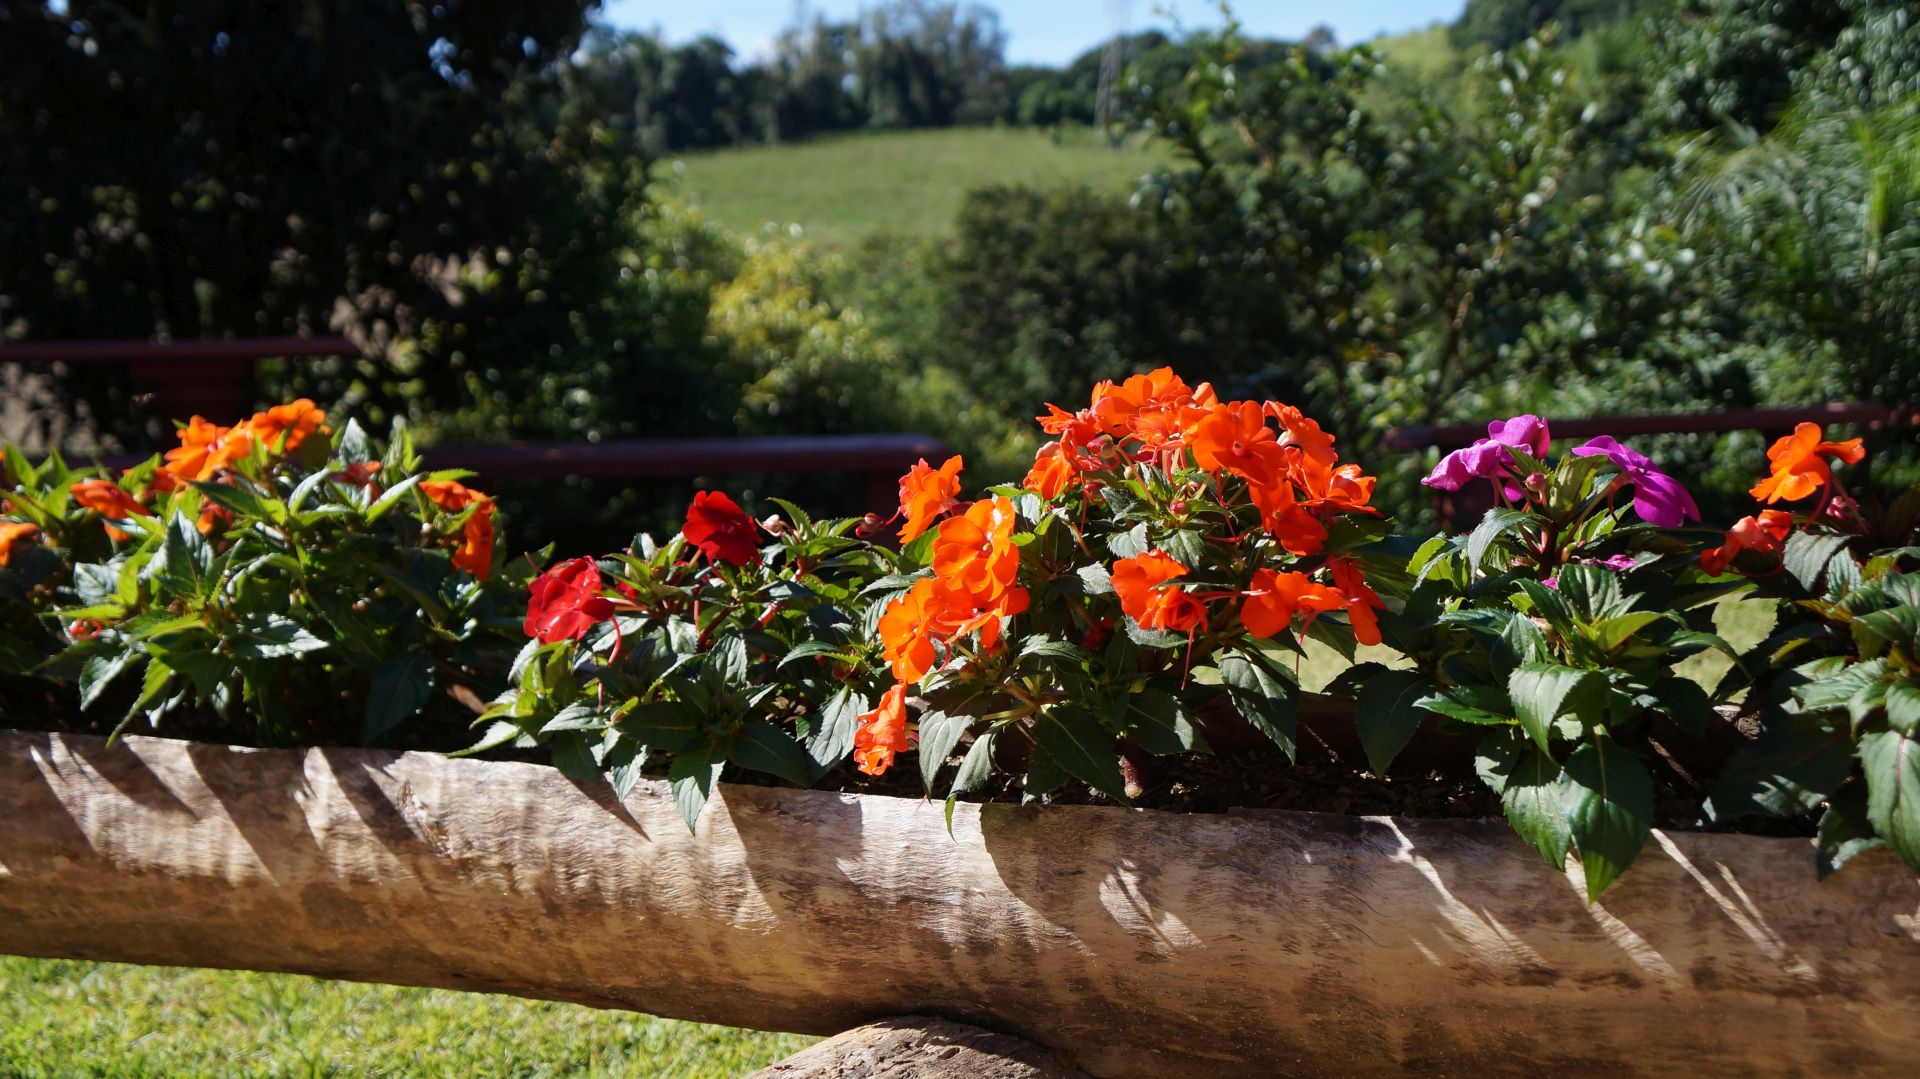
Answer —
(256, 570)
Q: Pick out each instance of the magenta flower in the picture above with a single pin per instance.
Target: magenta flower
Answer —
(1657, 497)
(1491, 458)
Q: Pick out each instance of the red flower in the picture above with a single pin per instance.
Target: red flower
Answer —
(1766, 533)
(721, 529)
(475, 554)
(565, 602)
(883, 733)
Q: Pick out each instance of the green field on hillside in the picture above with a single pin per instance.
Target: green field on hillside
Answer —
(908, 183)
(61, 1018)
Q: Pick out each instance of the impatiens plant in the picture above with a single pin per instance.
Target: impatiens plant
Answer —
(1164, 546)
(1835, 688)
(1551, 633)
(263, 567)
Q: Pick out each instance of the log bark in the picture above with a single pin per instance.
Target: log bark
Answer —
(1138, 943)
(911, 1048)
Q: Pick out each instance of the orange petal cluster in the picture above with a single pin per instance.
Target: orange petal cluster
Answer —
(108, 500)
(1145, 594)
(1766, 533)
(975, 564)
(12, 533)
(1799, 464)
(926, 493)
(1291, 473)
(1276, 598)
(475, 554)
(206, 449)
(883, 732)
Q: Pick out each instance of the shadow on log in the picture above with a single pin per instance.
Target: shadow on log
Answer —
(1137, 943)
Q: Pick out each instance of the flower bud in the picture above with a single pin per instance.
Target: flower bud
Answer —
(1536, 485)
(1179, 507)
(774, 526)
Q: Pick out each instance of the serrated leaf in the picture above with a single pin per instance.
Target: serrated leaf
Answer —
(497, 734)
(400, 688)
(975, 768)
(578, 716)
(99, 672)
(665, 725)
(1891, 762)
(812, 649)
(1129, 544)
(1388, 711)
(1050, 648)
(832, 740)
(1077, 742)
(1495, 525)
(1807, 554)
(763, 747)
(1542, 692)
(1610, 633)
(1094, 580)
(273, 636)
(1158, 723)
(692, 778)
(573, 756)
(1534, 794)
(1611, 811)
(1262, 698)
(939, 733)
(1186, 547)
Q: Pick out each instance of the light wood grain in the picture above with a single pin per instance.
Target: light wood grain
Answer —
(1139, 943)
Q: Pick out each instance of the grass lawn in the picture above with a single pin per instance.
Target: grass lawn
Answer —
(61, 1018)
(909, 183)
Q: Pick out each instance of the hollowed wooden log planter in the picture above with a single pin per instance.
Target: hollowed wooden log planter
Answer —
(1136, 943)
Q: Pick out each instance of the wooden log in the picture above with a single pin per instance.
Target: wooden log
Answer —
(1138, 943)
(917, 1048)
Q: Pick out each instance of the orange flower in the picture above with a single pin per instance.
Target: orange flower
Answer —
(1236, 438)
(1141, 582)
(1053, 469)
(1766, 533)
(1362, 600)
(925, 494)
(475, 554)
(1274, 598)
(974, 554)
(212, 515)
(1157, 407)
(1290, 522)
(13, 532)
(1343, 488)
(1798, 466)
(107, 499)
(206, 449)
(1298, 429)
(883, 732)
(296, 420)
(987, 619)
(911, 624)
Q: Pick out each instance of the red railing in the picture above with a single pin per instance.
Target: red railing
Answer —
(214, 379)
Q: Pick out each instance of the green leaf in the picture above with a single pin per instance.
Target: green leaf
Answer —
(832, 740)
(1129, 544)
(1095, 580)
(692, 778)
(385, 503)
(1610, 812)
(1049, 648)
(1593, 592)
(1153, 638)
(100, 671)
(1534, 794)
(664, 725)
(1158, 723)
(1903, 706)
(1186, 547)
(1549, 604)
(578, 716)
(1076, 741)
(242, 501)
(180, 567)
(1891, 761)
(1608, 634)
(574, 757)
(272, 636)
(401, 687)
(975, 769)
(1794, 764)
(498, 734)
(1388, 712)
(812, 649)
(764, 747)
(1684, 702)
(1262, 697)
(1495, 525)
(1542, 692)
(1845, 833)
(1807, 554)
(939, 733)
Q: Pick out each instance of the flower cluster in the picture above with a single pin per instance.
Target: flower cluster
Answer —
(1799, 470)
(1516, 449)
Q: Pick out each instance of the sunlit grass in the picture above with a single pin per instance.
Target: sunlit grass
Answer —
(841, 190)
(60, 1018)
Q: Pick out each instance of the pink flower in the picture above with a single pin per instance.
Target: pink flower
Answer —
(1491, 458)
(1657, 497)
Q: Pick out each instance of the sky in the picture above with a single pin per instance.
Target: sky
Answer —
(1042, 31)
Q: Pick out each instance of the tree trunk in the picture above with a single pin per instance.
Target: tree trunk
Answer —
(1136, 943)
